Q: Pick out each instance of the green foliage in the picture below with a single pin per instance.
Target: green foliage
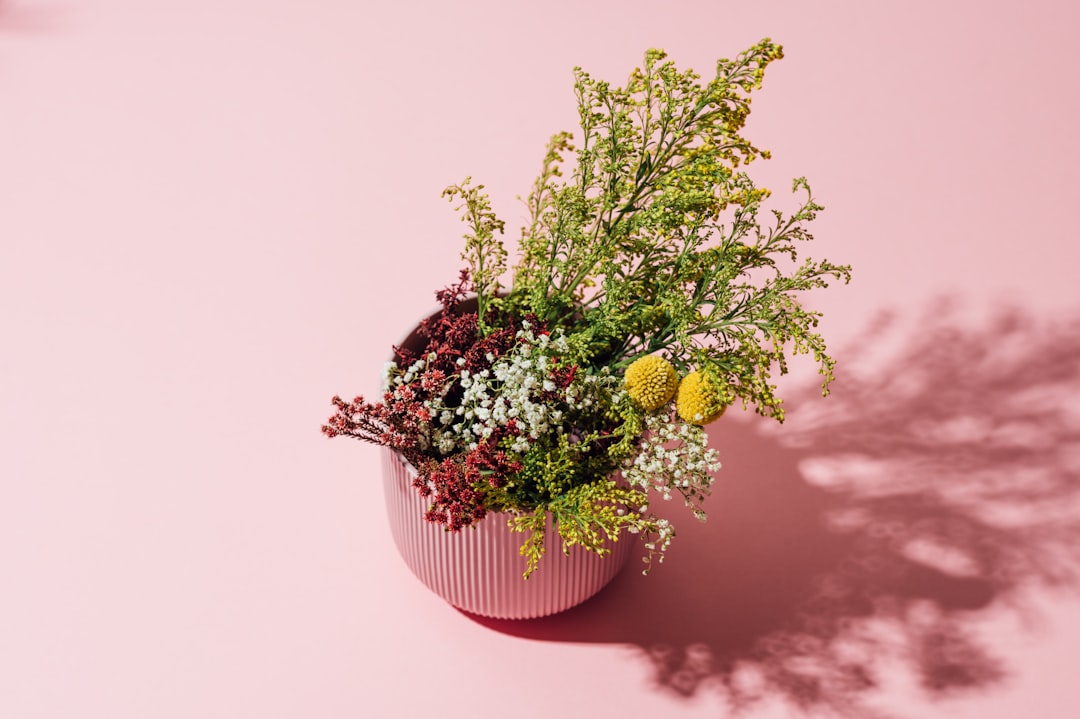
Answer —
(534, 524)
(587, 515)
(570, 481)
(484, 251)
(654, 244)
(551, 467)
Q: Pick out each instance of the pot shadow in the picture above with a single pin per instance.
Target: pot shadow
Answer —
(868, 534)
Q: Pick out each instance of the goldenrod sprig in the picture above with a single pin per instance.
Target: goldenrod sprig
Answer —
(484, 251)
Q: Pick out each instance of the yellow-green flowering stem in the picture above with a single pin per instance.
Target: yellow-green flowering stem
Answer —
(484, 251)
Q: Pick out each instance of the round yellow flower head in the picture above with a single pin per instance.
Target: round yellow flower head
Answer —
(696, 397)
(651, 381)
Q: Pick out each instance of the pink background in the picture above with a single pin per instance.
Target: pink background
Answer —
(215, 215)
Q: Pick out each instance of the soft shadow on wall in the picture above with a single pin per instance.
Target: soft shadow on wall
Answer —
(939, 489)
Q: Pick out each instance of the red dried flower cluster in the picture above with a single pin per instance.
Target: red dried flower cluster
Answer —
(454, 483)
(452, 335)
(395, 422)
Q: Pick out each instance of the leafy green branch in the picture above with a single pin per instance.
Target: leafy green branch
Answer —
(654, 244)
(651, 155)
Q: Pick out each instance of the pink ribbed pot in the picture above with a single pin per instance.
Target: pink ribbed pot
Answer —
(479, 568)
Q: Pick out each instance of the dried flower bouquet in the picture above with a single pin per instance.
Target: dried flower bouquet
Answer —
(648, 298)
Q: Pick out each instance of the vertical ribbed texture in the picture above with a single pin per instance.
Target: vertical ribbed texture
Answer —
(479, 570)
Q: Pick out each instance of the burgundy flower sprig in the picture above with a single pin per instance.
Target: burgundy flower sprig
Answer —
(456, 484)
(452, 353)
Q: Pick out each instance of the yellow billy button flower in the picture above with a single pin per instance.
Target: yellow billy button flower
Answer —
(651, 381)
(696, 398)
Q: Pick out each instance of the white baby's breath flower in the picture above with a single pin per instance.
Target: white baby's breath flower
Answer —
(387, 369)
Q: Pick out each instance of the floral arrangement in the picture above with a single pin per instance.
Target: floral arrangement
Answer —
(648, 298)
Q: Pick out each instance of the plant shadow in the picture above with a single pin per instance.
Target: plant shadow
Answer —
(932, 489)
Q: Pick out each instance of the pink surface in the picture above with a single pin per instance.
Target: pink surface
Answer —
(213, 216)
